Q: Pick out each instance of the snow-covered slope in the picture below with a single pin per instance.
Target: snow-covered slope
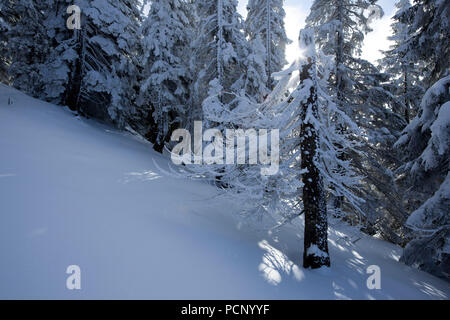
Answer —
(75, 192)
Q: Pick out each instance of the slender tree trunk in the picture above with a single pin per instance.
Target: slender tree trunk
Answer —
(220, 41)
(269, 44)
(315, 254)
(74, 84)
(159, 147)
(73, 92)
(152, 133)
(339, 200)
(340, 58)
(405, 94)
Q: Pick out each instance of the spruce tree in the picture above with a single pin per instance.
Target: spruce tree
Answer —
(426, 145)
(404, 73)
(363, 93)
(26, 44)
(94, 69)
(255, 82)
(167, 33)
(308, 157)
(428, 38)
(4, 52)
(315, 252)
(219, 53)
(265, 21)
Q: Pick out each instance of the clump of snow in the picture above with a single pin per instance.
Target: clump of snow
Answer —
(315, 251)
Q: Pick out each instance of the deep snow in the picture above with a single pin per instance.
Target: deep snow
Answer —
(73, 191)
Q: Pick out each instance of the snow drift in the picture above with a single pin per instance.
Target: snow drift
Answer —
(76, 192)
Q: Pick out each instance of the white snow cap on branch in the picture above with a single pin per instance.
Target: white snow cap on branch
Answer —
(307, 43)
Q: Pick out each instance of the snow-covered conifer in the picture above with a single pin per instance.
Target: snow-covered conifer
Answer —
(4, 52)
(428, 31)
(220, 49)
(265, 20)
(404, 72)
(94, 69)
(309, 156)
(426, 144)
(167, 34)
(255, 82)
(362, 91)
(26, 43)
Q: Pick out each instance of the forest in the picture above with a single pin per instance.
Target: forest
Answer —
(365, 143)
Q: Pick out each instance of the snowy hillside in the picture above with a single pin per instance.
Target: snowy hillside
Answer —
(75, 192)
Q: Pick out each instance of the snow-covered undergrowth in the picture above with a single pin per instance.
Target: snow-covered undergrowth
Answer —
(75, 192)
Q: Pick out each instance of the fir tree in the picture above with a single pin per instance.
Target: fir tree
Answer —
(315, 252)
(4, 52)
(308, 154)
(265, 21)
(26, 44)
(427, 43)
(167, 33)
(362, 91)
(94, 69)
(426, 145)
(424, 142)
(405, 73)
(219, 52)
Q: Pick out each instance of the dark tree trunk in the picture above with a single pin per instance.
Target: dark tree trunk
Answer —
(315, 254)
(338, 200)
(405, 93)
(161, 141)
(159, 147)
(72, 99)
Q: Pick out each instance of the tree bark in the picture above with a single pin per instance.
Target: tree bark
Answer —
(315, 254)
(73, 91)
(405, 93)
(269, 45)
(339, 200)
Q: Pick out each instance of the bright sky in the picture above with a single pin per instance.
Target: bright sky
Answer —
(298, 10)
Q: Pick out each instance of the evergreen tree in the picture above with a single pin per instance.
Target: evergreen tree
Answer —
(362, 91)
(255, 85)
(405, 73)
(427, 43)
(4, 52)
(265, 21)
(340, 29)
(315, 252)
(219, 53)
(308, 157)
(426, 145)
(425, 140)
(26, 43)
(93, 69)
(167, 33)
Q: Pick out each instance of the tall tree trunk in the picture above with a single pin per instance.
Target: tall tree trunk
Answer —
(340, 57)
(315, 254)
(269, 44)
(405, 94)
(339, 200)
(73, 92)
(220, 41)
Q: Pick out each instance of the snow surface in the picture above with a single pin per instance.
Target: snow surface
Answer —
(73, 191)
